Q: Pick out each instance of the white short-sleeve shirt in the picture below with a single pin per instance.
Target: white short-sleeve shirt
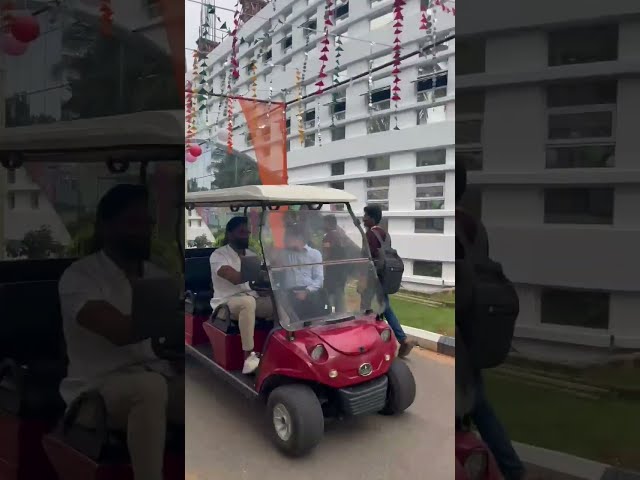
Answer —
(91, 356)
(223, 288)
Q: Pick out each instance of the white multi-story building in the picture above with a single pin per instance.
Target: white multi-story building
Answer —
(547, 116)
(407, 170)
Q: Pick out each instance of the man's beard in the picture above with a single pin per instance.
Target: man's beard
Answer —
(240, 243)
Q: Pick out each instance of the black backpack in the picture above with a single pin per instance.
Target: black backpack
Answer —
(389, 265)
(492, 305)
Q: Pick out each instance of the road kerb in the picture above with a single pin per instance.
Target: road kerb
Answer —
(432, 341)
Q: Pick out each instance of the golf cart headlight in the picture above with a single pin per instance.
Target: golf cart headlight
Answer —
(385, 335)
(476, 465)
(318, 352)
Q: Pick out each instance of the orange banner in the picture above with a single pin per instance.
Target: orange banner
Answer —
(269, 137)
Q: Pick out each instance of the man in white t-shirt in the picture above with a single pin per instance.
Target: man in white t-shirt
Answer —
(228, 288)
(140, 391)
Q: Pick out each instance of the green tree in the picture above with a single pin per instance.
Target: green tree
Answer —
(233, 170)
(40, 244)
(201, 241)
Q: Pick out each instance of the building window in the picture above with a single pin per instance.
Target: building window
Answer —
(310, 27)
(423, 268)
(579, 206)
(287, 125)
(581, 124)
(427, 115)
(288, 145)
(287, 41)
(470, 103)
(429, 225)
(381, 21)
(338, 207)
(339, 108)
(468, 132)
(342, 11)
(470, 56)
(380, 99)
(375, 164)
(428, 158)
(267, 55)
(310, 118)
(11, 176)
(575, 308)
(309, 139)
(378, 192)
(337, 133)
(430, 191)
(35, 200)
(337, 168)
(11, 200)
(471, 159)
(583, 45)
(431, 87)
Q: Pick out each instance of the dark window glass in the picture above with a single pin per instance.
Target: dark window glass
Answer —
(427, 269)
(583, 45)
(576, 308)
(578, 205)
(571, 94)
(582, 156)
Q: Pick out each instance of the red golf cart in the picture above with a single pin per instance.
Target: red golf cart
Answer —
(38, 436)
(320, 357)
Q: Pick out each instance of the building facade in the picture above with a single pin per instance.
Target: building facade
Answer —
(354, 138)
(559, 188)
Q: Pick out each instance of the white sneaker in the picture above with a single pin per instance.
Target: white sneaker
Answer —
(251, 363)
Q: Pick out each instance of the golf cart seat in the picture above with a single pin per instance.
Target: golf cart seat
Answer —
(198, 293)
(32, 365)
(79, 452)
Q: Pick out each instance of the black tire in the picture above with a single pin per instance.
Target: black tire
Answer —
(305, 416)
(401, 391)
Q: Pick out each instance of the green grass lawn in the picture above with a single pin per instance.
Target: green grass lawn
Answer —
(604, 430)
(414, 314)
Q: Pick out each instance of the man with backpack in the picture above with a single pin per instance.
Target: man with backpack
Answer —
(390, 269)
(486, 311)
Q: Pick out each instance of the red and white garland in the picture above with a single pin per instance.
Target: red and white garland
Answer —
(324, 57)
(398, 6)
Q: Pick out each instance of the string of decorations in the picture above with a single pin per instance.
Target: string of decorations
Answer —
(235, 74)
(336, 78)
(106, 18)
(370, 80)
(398, 6)
(324, 57)
(444, 6)
(300, 106)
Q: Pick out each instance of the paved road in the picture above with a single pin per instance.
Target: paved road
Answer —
(225, 440)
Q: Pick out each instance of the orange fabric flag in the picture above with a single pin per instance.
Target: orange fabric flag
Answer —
(269, 137)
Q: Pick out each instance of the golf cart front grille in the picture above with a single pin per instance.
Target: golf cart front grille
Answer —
(365, 398)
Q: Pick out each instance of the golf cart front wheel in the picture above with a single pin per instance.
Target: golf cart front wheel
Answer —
(401, 390)
(295, 419)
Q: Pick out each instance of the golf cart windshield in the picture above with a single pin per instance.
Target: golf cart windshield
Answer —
(318, 268)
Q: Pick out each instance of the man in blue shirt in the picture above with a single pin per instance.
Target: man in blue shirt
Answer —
(305, 276)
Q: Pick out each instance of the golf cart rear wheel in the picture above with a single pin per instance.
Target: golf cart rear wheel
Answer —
(295, 418)
(401, 391)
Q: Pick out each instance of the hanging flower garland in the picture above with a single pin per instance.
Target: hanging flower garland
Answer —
(370, 81)
(324, 57)
(188, 108)
(106, 18)
(300, 106)
(254, 79)
(336, 79)
(397, 49)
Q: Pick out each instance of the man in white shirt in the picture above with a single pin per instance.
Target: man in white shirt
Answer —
(140, 391)
(228, 288)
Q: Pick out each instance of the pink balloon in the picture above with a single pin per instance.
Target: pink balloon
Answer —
(25, 29)
(189, 158)
(195, 150)
(11, 46)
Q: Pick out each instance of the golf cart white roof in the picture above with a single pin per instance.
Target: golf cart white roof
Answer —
(84, 140)
(252, 195)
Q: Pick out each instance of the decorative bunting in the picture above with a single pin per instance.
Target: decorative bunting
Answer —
(445, 6)
(106, 18)
(324, 58)
(398, 6)
(336, 79)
